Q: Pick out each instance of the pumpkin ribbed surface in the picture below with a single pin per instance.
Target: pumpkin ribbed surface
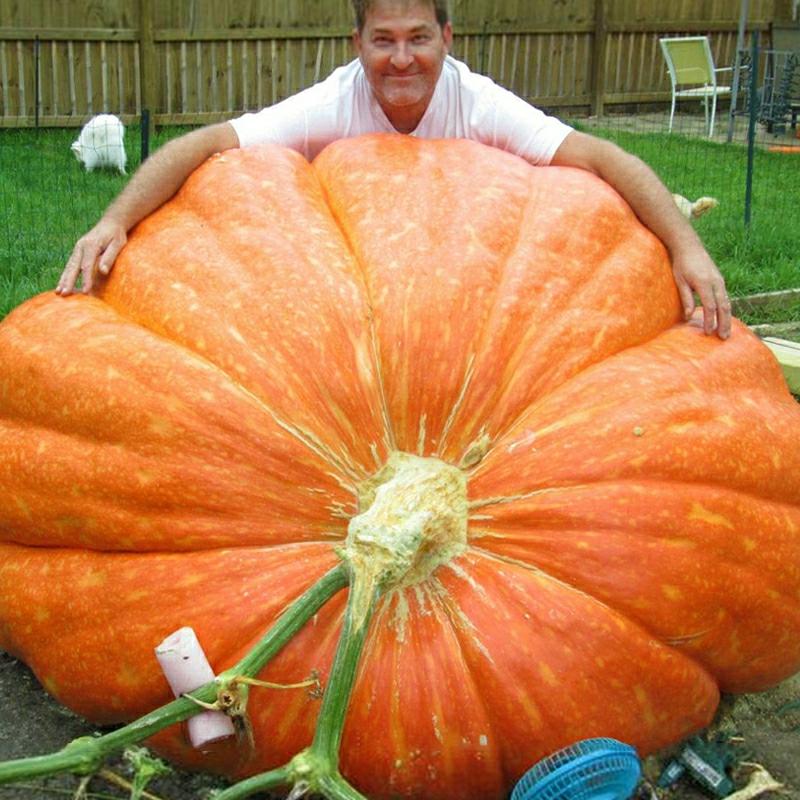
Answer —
(187, 448)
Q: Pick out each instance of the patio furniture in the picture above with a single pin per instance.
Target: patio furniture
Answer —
(693, 74)
(786, 40)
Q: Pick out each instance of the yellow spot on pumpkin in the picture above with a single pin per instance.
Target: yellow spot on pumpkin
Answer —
(111, 373)
(681, 427)
(50, 684)
(548, 675)
(161, 426)
(749, 544)
(644, 702)
(41, 614)
(23, 506)
(127, 676)
(671, 592)
(680, 544)
(92, 579)
(192, 579)
(702, 514)
(145, 477)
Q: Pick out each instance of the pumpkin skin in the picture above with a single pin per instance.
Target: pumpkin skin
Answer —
(185, 449)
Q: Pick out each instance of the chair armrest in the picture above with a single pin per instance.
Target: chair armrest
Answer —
(723, 69)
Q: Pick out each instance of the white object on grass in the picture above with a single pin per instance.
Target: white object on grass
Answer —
(693, 210)
(186, 668)
(101, 143)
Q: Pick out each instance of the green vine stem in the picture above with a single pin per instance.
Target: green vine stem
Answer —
(318, 765)
(331, 720)
(258, 783)
(335, 787)
(87, 754)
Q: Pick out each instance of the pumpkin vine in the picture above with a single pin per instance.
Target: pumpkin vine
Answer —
(86, 755)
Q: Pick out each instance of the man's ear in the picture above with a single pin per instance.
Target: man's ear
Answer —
(447, 35)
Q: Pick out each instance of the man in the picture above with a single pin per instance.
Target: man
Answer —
(404, 81)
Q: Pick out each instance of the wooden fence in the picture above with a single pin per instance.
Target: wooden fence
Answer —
(197, 61)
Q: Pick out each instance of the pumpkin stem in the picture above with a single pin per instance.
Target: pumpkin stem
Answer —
(330, 723)
(413, 519)
(316, 768)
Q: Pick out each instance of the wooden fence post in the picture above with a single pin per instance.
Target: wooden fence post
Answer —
(598, 62)
(147, 61)
(783, 10)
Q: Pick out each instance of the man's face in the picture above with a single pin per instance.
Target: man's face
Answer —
(402, 49)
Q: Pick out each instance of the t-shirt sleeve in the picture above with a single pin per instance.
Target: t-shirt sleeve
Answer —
(508, 122)
(305, 122)
(284, 123)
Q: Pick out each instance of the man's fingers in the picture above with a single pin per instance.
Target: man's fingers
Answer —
(687, 297)
(88, 262)
(709, 305)
(110, 255)
(723, 312)
(716, 309)
(68, 277)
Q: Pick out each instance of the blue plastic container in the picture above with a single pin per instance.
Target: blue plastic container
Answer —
(593, 769)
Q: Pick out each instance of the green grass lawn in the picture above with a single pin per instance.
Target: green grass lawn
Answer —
(47, 201)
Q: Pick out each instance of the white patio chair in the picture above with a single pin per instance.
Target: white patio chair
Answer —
(693, 75)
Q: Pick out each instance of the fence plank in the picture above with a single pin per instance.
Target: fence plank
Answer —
(73, 99)
(23, 105)
(4, 80)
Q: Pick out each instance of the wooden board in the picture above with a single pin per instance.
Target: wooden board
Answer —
(788, 355)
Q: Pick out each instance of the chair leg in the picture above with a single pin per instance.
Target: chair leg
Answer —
(671, 113)
(713, 114)
(705, 110)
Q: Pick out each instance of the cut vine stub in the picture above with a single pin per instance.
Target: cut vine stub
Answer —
(413, 519)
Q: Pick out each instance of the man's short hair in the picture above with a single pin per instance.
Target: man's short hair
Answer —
(360, 8)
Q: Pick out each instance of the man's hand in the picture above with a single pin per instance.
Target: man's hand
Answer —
(96, 250)
(153, 184)
(696, 273)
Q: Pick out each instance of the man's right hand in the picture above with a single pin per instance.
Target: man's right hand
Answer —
(95, 250)
(156, 180)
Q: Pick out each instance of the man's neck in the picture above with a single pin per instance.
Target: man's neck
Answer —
(405, 120)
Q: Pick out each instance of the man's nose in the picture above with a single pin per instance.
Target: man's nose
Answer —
(401, 56)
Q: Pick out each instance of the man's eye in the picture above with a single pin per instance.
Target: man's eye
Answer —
(422, 39)
(382, 40)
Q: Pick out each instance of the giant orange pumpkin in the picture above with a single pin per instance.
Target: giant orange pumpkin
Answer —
(187, 448)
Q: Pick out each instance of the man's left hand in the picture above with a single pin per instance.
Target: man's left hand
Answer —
(696, 273)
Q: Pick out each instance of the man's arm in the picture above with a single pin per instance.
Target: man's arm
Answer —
(693, 268)
(152, 185)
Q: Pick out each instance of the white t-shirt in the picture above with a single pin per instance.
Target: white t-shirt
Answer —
(464, 106)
